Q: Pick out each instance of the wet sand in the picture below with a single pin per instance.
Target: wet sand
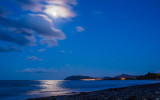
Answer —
(137, 92)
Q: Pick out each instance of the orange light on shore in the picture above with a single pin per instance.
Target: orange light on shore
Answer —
(88, 79)
(123, 78)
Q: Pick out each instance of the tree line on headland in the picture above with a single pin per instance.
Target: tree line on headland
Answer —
(148, 76)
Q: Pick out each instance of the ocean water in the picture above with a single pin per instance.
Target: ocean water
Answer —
(20, 90)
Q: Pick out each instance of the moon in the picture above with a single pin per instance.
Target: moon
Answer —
(52, 12)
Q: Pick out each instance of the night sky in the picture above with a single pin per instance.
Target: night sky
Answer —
(53, 39)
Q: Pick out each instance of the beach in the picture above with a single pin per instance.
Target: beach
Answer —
(136, 92)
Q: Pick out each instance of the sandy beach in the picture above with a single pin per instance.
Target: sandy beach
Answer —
(137, 92)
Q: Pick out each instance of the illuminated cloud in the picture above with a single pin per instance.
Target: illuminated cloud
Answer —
(22, 35)
(54, 8)
(24, 30)
(80, 29)
(34, 58)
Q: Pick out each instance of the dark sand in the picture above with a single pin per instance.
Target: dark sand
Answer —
(137, 92)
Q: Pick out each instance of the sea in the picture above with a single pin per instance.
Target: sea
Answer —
(21, 90)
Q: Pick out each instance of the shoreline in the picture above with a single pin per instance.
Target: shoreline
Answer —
(135, 92)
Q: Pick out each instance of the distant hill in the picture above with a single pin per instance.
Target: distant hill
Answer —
(106, 78)
(78, 77)
(124, 76)
(119, 77)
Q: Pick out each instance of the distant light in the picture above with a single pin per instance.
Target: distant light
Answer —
(87, 79)
(123, 78)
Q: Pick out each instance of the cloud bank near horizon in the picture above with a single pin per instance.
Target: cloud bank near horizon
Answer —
(37, 70)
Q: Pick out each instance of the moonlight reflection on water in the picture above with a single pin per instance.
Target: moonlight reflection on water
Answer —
(20, 90)
(50, 87)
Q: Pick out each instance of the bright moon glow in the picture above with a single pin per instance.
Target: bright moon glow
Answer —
(59, 11)
(52, 12)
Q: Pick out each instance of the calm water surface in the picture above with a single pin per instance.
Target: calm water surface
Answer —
(20, 90)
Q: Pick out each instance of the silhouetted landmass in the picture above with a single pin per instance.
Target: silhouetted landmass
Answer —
(78, 77)
(127, 77)
(106, 78)
(148, 76)
(124, 76)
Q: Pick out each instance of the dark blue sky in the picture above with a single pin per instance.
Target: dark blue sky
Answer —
(52, 39)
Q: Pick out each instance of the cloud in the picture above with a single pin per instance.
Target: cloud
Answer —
(31, 5)
(37, 70)
(8, 49)
(80, 29)
(62, 8)
(34, 58)
(40, 24)
(97, 13)
(41, 50)
(62, 51)
(35, 26)
(49, 42)
(20, 37)
(20, 31)
(2, 12)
